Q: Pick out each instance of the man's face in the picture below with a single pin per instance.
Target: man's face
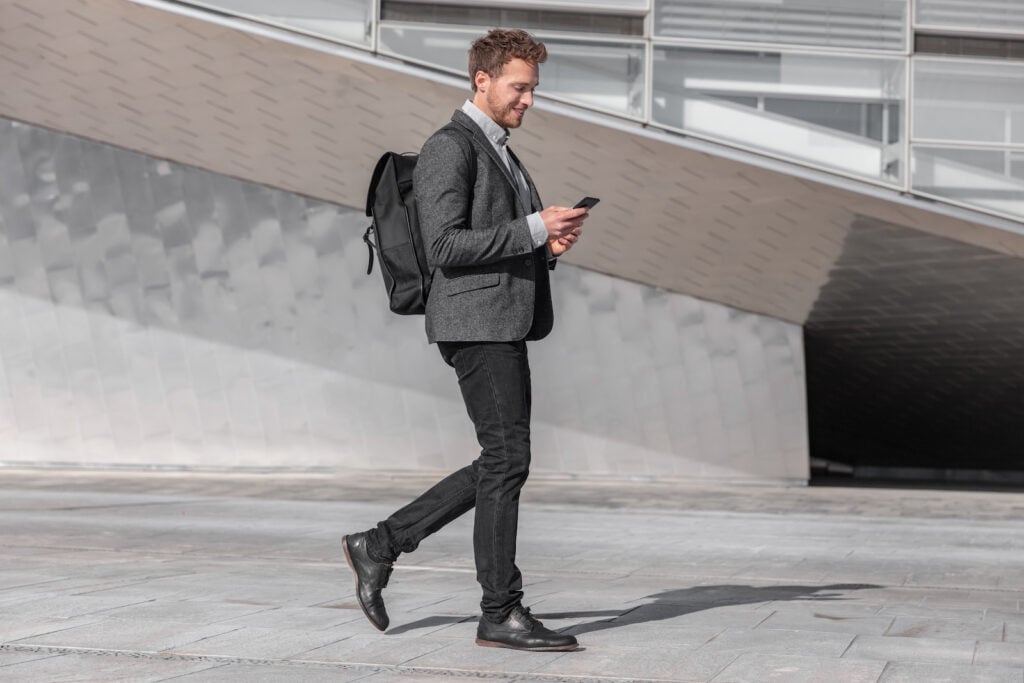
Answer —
(507, 97)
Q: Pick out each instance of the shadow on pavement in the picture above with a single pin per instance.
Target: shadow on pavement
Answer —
(669, 605)
(677, 603)
(429, 622)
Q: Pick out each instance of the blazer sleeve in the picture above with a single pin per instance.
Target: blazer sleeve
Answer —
(444, 186)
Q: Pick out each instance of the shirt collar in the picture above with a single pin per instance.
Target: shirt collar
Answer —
(495, 133)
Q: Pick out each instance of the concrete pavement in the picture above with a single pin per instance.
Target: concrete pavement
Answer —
(158, 576)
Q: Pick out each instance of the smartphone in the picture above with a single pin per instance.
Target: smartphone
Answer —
(586, 202)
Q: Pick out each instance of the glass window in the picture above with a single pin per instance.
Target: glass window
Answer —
(586, 22)
(1002, 16)
(616, 6)
(985, 178)
(842, 113)
(968, 100)
(443, 47)
(866, 24)
(349, 21)
(1017, 165)
(1017, 127)
(605, 76)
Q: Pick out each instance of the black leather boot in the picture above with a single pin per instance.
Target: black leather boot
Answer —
(371, 578)
(522, 631)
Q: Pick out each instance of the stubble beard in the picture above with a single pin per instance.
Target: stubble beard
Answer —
(506, 115)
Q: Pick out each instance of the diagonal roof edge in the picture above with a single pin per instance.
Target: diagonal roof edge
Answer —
(683, 140)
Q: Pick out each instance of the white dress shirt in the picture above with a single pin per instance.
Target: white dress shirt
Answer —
(498, 137)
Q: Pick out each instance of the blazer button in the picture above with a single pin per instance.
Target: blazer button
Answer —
(527, 261)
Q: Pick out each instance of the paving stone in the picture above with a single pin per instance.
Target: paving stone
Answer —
(843, 606)
(876, 574)
(68, 606)
(684, 615)
(933, 610)
(1002, 654)
(1002, 600)
(184, 611)
(1012, 582)
(381, 649)
(955, 578)
(258, 673)
(412, 677)
(637, 635)
(1014, 632)
(639, 662)
(9, 657)
(780, 642)
(126, 634)
(825, 621)
(758, 668)
(446, 625)
(911, 649)
(951, 629)
(891, 596)
(968, 597)
(300, 618)
(466, 655)
(21, 579)
(258, 643)
(12, 629)
(906, 672)
(1007, 617)
(739, 582)
(109, 668)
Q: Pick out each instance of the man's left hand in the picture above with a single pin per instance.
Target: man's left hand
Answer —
(563, 244)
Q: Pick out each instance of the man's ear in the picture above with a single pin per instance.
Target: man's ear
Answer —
(482, 80)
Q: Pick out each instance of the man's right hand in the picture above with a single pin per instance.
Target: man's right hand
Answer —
(562, 221)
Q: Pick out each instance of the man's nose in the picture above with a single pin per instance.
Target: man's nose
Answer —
(527, 99)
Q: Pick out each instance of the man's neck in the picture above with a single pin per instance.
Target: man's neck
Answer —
(494, 132)
(480, 102)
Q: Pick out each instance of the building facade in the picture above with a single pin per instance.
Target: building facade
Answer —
(808, 249)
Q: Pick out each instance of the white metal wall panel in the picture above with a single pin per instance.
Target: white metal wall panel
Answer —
(997, 16)
(861, 24)
(605, 6)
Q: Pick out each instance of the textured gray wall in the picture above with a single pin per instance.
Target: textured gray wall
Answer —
(155, 314)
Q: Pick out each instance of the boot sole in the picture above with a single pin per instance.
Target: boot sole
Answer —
(551, 648)
(348, 558)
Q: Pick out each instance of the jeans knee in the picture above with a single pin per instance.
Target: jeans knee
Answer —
(512, 463)
(519, 465)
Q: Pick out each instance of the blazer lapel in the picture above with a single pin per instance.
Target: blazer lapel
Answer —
(469, 124)
(534, 197)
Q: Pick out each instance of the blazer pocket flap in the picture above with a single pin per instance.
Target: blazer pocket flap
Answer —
(468, 283)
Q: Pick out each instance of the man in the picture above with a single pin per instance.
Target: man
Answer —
(490, 250)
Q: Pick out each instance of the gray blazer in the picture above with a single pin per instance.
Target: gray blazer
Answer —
(489, 282)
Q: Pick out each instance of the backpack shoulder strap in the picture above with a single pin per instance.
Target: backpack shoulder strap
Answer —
(378, 170)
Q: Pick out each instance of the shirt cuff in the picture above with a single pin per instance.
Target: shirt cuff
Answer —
(538, 232)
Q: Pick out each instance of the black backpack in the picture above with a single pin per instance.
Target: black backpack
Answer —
(399, 244)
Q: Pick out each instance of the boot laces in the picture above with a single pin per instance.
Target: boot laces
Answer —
(528, 617)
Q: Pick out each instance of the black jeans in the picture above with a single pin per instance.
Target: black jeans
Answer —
(495, 382)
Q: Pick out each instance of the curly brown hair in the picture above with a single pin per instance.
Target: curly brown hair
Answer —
(492, 52)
